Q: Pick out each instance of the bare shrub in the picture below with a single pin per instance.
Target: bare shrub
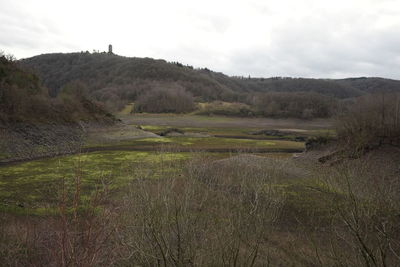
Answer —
(77, 233)
(305, 105)
(207, 212)
(366, 222)
(371, 121)
(161, 99)
(200, 218)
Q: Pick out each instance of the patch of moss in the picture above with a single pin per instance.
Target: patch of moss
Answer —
(4, 155)
(154, 140)
(33, 184)
(209, 143)
(323, 132)
(227, 131)
(127, 109)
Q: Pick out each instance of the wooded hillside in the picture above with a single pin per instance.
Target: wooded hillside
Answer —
(116, 80)
(24, 99)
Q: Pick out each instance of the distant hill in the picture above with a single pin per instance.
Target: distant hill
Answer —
(23, 99)
(116, 80)
(371, 85)
(321, 86)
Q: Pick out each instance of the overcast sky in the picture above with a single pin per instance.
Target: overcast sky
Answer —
(300, 38)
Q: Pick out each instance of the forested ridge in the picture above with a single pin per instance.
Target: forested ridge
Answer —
(116, 80)
(24, 99)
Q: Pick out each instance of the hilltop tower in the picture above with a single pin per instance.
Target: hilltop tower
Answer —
(110, 49)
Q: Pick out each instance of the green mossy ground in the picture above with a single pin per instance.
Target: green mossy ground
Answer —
(127, 109)
(240, 132)
(206, 143)
(34, 185)
(224, 143)
(3, 155)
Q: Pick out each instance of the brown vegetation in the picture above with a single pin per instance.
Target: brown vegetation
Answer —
(297, 105)
(242, 211)
(225, 109)
(77, 235)
(371, 121)
(24, 99)
(245, 210)
(116, 81)
(161, 100)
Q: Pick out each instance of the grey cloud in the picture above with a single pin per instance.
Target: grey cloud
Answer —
(322, 50)
(22, 31)
(313, 42)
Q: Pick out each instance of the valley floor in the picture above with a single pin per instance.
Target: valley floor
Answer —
(142, 132)
(104, 151)
(184, 190)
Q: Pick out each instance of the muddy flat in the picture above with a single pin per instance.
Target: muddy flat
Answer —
(228, 122)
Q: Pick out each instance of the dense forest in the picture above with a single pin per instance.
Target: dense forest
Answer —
(116, 80)
(23, 99)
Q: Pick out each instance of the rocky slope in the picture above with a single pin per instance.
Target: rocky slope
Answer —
(34, 124)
